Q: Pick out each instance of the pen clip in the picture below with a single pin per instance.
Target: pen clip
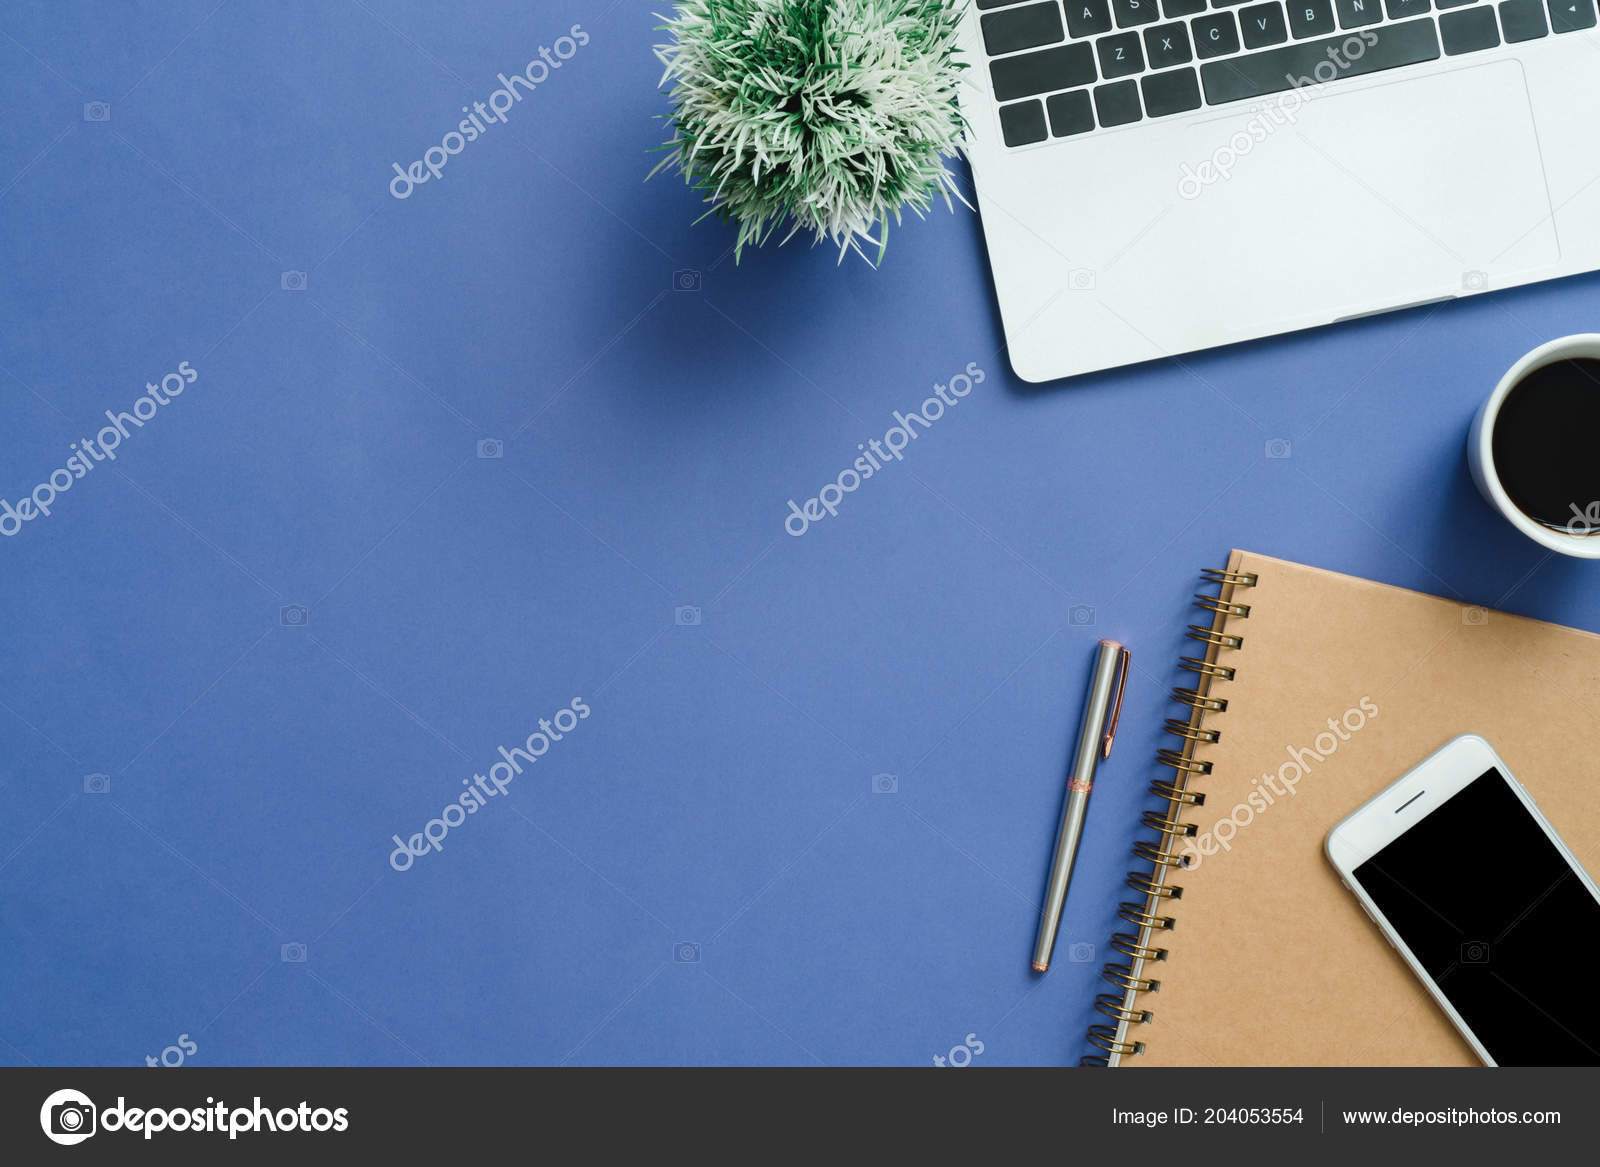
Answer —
(1116, 709)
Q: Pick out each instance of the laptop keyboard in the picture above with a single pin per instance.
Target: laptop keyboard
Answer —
(1066, 67)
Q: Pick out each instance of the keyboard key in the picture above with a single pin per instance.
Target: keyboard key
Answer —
(1406, 9)
(1172, 9)
(1523, 20)
(1070, 113)
(1310, 18)
(1571, 15)
(1168, 45)
(1023, 124)
(1356, 13)
(1469, 32)
(1135, 12)
(1117, 103)
(1215, 35)
(1087, 17)
(1269, 71)
(1022, 28)
(984, 4)
(1059, 68)
(1169, 93)
(1443, 4)
(1119, 55)
(1226, 3)
(1263, 25)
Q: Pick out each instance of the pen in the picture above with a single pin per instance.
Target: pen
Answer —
(1101, 710)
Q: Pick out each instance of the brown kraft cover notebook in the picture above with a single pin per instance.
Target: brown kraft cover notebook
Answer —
(1267, 960)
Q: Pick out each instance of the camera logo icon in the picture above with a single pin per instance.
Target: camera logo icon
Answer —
(97, 783)
(1081, 615)
(1279, 448)
(1475, 281)
(885, 784)
(686, 952)
(1474, 617)
(293, 953)
(686, 279)
(686, 616)
(491, 448)
(97, 111)
(68, 1117)
(293, 615)
(292, 281)
(1081, 279)
(1475, 952)
(1081, 952)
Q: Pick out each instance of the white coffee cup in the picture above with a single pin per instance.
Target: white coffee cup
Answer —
(1582, 536)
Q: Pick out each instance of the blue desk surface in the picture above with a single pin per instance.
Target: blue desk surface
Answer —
(299, 609)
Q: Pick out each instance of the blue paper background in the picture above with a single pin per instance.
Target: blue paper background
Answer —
(704, 871)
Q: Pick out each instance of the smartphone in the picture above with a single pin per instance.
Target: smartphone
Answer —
(1479, 895)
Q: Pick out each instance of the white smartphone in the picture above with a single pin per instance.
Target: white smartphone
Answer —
(1470, 884)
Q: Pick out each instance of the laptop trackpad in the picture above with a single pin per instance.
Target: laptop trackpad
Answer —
(1378, 197)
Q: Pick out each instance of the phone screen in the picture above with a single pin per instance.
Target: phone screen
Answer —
(1497, 916)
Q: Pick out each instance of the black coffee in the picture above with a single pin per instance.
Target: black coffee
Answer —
(1546, 444)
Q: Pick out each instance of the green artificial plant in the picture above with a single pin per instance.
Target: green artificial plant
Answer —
(833, 115)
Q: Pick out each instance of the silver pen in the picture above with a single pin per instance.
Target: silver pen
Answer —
(1100, 714)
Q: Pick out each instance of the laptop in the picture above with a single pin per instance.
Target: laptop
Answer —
(1157, 177)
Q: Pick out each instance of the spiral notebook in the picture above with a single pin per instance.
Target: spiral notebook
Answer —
(1251, 953)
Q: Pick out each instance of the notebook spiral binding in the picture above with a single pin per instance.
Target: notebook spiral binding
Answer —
(1133, 977)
